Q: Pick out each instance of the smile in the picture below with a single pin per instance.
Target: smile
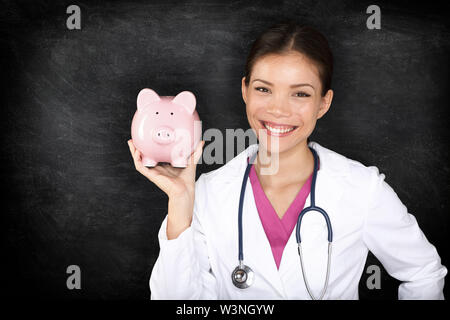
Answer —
(278, 129)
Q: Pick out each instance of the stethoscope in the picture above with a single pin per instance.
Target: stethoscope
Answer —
(243, 276)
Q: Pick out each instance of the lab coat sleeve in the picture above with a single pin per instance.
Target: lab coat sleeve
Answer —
(182, 270)
(394, 237)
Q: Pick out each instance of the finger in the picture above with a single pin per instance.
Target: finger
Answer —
(132, 150)
(131, 146)
(137, 154)
(198, 152)
(195, 156)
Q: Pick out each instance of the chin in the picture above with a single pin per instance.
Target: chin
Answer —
(274, 147)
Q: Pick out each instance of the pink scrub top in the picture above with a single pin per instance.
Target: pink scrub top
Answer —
(278, 230)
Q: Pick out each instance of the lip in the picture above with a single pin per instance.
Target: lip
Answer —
(273, 124)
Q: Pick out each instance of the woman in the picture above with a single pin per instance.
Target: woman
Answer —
(286, 89)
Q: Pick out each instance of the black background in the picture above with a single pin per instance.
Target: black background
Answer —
(71, 194)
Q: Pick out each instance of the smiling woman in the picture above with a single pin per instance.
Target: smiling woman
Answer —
(286, 89)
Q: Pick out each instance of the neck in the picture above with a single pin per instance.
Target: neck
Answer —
(294, 166)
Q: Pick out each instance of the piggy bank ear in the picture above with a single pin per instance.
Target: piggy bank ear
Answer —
(187, 100)
(145, 97)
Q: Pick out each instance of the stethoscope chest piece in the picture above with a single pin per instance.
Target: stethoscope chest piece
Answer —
(242, 276)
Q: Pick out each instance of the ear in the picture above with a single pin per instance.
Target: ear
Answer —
(187, 100)
(325, 103)
(244, 90)
(145, 97)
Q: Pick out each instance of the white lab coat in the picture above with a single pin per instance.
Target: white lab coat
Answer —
(365, 212)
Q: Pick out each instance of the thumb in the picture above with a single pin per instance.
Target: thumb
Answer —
(198, 151)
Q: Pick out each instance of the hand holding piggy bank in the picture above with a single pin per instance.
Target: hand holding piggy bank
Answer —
(166, 128)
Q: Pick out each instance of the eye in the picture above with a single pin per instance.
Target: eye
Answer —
(157, 112)
(302, 94)
(262, 89)
(171, 113)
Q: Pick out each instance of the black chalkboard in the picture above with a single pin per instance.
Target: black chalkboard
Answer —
(71, 194)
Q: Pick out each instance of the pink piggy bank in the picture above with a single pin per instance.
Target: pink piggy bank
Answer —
(166, 128)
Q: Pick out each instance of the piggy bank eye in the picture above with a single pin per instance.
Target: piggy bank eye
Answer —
(156, 112)
(171, 113)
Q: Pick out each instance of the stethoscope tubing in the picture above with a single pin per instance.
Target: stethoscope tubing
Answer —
(241, 204)
(312, 206)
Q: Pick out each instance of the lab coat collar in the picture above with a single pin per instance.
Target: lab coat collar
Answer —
(333, 163)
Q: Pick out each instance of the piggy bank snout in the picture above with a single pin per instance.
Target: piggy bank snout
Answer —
(164, 135)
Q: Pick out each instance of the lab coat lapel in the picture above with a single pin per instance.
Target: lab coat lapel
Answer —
(257, 250)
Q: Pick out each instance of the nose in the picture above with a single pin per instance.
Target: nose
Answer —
(164, 135)
(279, 107)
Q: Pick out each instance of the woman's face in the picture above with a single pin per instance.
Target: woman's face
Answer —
(284, 93)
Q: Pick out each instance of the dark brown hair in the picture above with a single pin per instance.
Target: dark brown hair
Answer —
(289, 36)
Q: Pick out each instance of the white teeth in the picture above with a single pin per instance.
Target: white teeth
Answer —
(275, 130)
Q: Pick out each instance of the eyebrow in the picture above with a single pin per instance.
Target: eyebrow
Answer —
(291, 86)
